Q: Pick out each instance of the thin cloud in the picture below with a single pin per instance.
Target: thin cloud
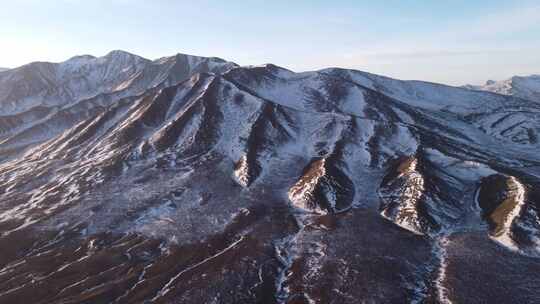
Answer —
(504, 22)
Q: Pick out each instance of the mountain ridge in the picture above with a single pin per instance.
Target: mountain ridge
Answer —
(526, 87)
(58, 95)
(261, 185)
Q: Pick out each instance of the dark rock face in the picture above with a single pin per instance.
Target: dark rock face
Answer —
(192, 180)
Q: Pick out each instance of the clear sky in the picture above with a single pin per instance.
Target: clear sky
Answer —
(453, 42)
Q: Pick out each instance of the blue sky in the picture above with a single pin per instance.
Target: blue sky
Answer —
(453, 42)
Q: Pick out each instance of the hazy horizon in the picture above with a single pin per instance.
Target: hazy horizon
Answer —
(454, 43)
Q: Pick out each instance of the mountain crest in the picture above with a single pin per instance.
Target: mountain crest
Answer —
(194, 180)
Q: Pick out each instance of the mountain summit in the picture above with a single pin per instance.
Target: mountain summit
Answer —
(194, 180)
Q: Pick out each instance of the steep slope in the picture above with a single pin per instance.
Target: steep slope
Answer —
(526, 87)
(261, 185)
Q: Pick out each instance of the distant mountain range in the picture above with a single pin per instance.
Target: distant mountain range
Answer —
(195, 180)
(526, 87)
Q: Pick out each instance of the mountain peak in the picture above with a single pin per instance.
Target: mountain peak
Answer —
(189, 57)
(120, 53)
(123, 56)
(82, 57)
(79, 60)
(86, 76)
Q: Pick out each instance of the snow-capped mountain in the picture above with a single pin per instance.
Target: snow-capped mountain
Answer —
(215, 183)
(526, 87)
(41, 100)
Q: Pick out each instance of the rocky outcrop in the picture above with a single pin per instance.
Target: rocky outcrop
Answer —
(324, 187)
(502, 200)
(403, 195)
